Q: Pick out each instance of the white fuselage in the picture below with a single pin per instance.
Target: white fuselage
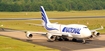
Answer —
(71, 30)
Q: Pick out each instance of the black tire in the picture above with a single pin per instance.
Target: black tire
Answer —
(66, 39)
(59, 38)
(75, 40)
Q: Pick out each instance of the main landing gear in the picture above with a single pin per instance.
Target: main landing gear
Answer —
(83, 40)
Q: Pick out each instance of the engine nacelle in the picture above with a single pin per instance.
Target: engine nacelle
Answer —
(51, 37)
(95, 33)
(28, 34)
(98, 34)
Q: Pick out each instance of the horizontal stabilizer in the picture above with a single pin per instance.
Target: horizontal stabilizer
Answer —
(34, 24)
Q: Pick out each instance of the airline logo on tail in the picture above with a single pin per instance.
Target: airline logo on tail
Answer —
(44, 16)
(46, 20)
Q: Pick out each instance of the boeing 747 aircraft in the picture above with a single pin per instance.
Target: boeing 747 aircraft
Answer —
(63, 32)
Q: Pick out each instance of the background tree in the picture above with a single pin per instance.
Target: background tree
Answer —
(51, 5)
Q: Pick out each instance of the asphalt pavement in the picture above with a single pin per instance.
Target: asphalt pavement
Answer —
(97, 44)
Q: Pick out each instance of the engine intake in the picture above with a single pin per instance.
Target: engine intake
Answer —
(95, 33)
(28, 34)
(98, 34)
(52, 38)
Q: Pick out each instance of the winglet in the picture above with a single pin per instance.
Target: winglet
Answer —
(98, 28)
(102, 27)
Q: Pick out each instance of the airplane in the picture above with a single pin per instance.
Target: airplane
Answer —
(63, 32)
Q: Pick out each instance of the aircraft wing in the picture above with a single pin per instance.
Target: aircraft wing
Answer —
(97, 29)
(29, 34)
(95, 33)
(38, 24)
(33, 32)
(54, 32)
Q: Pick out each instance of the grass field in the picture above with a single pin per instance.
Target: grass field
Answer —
(53, 14)
(21, 25)
(9, 44)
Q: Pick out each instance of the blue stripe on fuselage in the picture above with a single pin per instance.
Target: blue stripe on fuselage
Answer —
(50, 28)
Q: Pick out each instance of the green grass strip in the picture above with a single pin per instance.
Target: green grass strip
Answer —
(52, 14)
(21, 25)
(9, 44)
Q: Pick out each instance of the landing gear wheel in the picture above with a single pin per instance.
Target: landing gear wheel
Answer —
(66, 39)
(75, 40)
(84, 41)
(60, 38)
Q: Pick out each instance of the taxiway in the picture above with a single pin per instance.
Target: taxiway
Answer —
(97, 45)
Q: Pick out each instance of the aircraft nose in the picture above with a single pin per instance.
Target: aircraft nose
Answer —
(86, 33)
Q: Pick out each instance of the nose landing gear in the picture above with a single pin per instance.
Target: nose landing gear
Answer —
(84, 41)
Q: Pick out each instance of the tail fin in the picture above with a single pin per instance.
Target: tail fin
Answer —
(44, 16)
(46, 20)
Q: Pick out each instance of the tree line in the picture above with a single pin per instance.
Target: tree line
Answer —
(51, 5)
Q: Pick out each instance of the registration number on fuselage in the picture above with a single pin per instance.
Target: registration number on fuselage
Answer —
(71, 30)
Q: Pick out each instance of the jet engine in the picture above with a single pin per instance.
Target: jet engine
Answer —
(28, 34)
(51, 37)
(95, 33)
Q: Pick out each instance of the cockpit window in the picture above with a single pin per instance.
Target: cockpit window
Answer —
(84, 27)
